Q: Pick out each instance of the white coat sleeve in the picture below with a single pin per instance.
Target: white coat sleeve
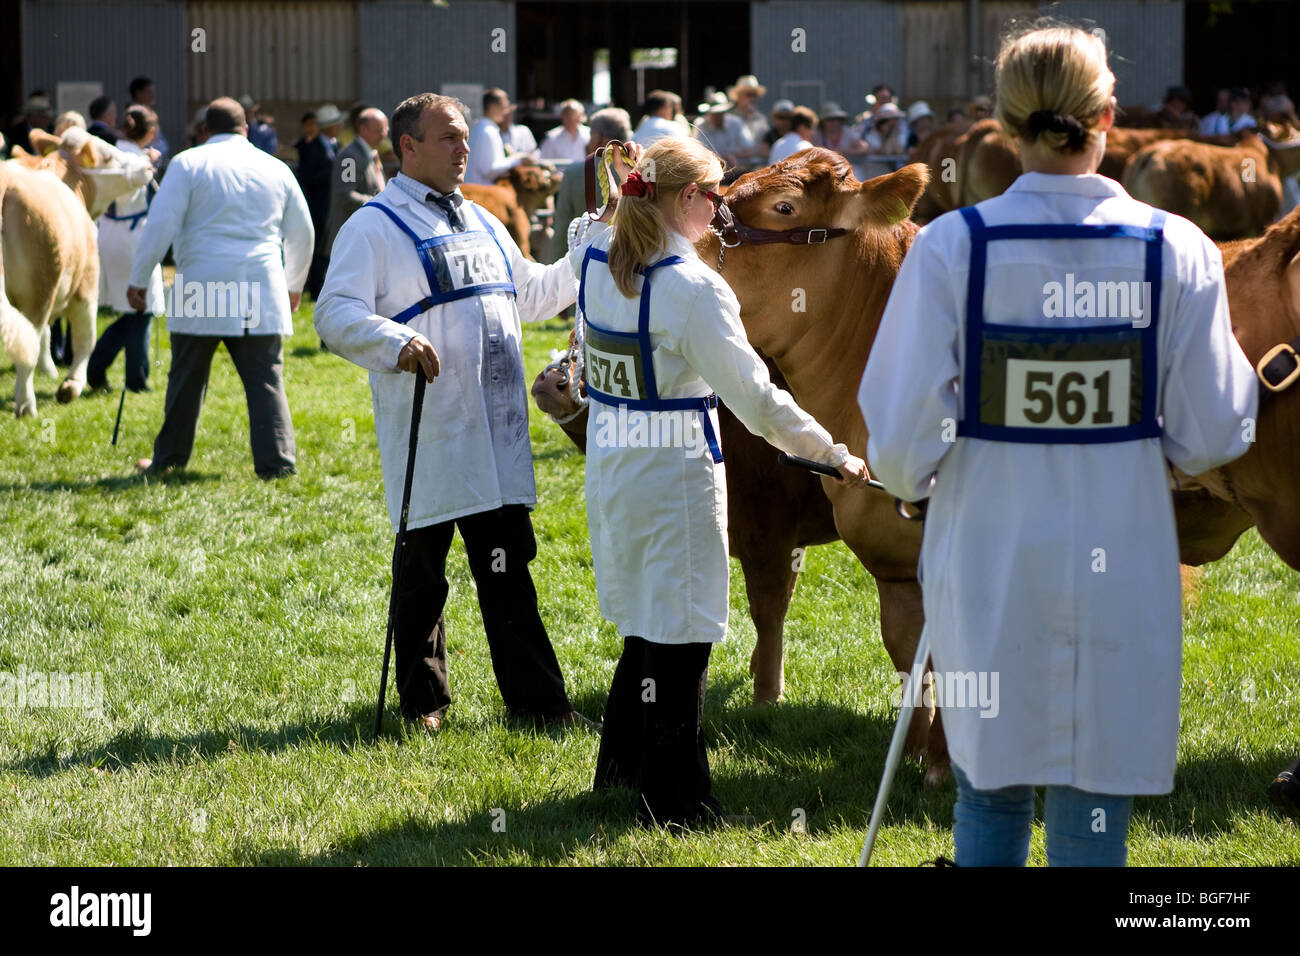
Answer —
(908, 394)
(713, 342)
(299, 236)
(1210, 389)
(541, 291)
(345, 315)
(487, 157)
(163, 225)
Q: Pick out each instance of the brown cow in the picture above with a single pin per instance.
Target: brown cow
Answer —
(1260, 487)
(1231, 192)
(983, 162)
(515, 198)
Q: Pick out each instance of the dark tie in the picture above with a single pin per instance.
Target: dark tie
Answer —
(449, 207)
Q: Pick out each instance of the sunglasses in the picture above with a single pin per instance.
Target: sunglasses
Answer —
(722, 218)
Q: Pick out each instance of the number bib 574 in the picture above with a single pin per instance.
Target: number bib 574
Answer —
(614, 364)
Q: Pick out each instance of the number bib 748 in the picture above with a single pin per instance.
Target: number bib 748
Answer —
(468, 260)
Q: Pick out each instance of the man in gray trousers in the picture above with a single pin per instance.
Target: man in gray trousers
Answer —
(242, 238)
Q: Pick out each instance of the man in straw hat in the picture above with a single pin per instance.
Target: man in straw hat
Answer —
(719, 128)
(746, 93)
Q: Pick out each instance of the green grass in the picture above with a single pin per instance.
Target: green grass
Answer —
(238, 628)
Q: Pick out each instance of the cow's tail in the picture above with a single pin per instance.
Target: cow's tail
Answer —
(18, 337)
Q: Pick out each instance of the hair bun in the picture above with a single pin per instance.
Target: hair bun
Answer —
(1049, 121)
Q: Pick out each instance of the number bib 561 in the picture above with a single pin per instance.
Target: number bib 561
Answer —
(1052, 384)
(1059, 384)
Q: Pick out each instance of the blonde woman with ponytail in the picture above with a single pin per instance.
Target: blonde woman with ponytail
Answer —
(664, 342)
(1077, 339)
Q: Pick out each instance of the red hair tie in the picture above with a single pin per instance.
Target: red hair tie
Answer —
(637, 185)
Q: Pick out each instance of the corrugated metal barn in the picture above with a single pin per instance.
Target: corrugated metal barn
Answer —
(294, 55)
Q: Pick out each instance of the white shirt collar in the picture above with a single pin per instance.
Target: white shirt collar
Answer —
(1089, 184)
(420, 192)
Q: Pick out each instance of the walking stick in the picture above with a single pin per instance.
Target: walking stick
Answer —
(895, 747)
(416, 407)
(120, 402)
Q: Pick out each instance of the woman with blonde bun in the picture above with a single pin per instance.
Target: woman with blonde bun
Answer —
(1077, 339)
(664, 342)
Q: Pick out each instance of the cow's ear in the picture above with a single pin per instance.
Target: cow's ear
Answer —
(42, 142)
(86, 154)
(889, 199)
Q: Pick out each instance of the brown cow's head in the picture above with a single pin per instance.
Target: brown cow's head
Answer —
(795, 296)
(533, 185)
(93, 169)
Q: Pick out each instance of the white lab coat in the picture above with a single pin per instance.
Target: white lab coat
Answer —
(473, 455)
(1055, 565)
(241, 235)
(488, 161)
(658, 516)
(787, 146)
(117, 245)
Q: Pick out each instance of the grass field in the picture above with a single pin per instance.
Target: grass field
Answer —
(237, 629)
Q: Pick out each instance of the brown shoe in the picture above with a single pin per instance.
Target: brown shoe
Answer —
(429, 723)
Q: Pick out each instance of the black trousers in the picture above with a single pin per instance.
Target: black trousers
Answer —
(499, 545)
(259, 360)
(652, 738)
(130, 332)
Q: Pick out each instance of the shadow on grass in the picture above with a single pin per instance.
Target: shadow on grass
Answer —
(135, 746)
(113, 482)
(548, 831)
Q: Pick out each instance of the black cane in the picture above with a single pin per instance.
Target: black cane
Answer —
(416, 407)
(120, 402)
(900, 505)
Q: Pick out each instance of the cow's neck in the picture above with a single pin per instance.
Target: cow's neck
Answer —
(824, 361)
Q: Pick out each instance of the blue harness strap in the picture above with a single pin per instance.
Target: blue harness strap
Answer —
(984, 339)
(134, 219)
(423, 248)
(652, 402)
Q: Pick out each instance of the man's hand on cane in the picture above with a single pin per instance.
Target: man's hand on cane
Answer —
(135, 298)
(417, 354)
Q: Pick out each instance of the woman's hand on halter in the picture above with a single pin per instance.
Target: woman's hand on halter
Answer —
(419, 354)
(854, 473)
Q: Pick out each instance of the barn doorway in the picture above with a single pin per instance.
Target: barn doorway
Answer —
(679, 46)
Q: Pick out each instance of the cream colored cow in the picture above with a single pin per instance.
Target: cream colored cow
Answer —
(49, 257)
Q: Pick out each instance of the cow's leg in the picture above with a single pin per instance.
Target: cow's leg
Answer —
(769, 581)
(24, 390)
(45, 364)
(81, 324)
(901, 619)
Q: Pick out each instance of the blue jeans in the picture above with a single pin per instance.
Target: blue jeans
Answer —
(991, 827)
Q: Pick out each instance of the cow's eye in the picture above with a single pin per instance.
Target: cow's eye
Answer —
(785, 209)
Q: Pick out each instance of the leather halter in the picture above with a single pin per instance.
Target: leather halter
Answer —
(738, 234)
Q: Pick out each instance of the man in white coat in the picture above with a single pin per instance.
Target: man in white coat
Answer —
(242, 237)
(422, 280)
(489, 160)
